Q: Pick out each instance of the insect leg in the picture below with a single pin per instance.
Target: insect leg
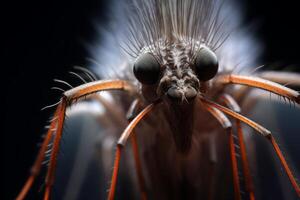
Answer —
(263, 131)
(132, 112)
(249, 97)
(260, 83)
(232, 104)
(284, 164)
(53, 158)
(226, 124)
(121, 143)
(113, 184)
(281, 77)
(96, 86)
(290, 78)
(35, 170)
(67, 99)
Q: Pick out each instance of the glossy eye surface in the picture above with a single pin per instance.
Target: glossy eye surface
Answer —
(206, 64)
(147, 69)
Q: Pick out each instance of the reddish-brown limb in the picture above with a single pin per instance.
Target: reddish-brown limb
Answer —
(47, 193)
(26, 187)
(223, 120)
(229, 101)
(132, 112)
(245, 163)
(232, 104)
(138, 166)
(262, 130)
(236, 181)
(290, 78)
(53, 158)
(35, 170)
(260, 83)
(248, 97)
(113, 184)
(226, 124)
(285, 165)
(125, 135)
(265, 133)
(97, 86)
(121, 143)
(68, 98)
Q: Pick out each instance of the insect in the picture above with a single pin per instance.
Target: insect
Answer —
(178, 92)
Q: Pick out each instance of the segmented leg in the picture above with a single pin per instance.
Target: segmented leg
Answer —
(245, 163)
(121, 143)
(263, 131)
(114, 178)
(232, 104)
(132, 112)
(249, 97)
(97, 86)
(290, 78)
(67, 99)
(35, 170)
(260, 83)
(284, 164)
(53, 158)
(226, 124)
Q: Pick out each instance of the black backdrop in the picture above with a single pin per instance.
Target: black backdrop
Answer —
(45, 39)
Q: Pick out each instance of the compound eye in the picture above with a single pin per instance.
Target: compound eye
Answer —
(147, 69)
(206, 64)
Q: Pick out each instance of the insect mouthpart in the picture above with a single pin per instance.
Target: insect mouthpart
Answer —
(180, 88)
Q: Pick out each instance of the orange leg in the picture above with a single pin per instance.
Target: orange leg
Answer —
(224, 121)
(132, 112)
(245, 163)
(260, 83)
(260, 129)
(35, 170)
(236, 181)
(102, 85)
(232, 104)
(53, 158)
(245, 96)
(285, 165)
(263, 131)
(290, 78)
(114, 178)
(121, 143)
(67, 99)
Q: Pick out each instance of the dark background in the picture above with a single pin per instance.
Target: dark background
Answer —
(46, 38)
